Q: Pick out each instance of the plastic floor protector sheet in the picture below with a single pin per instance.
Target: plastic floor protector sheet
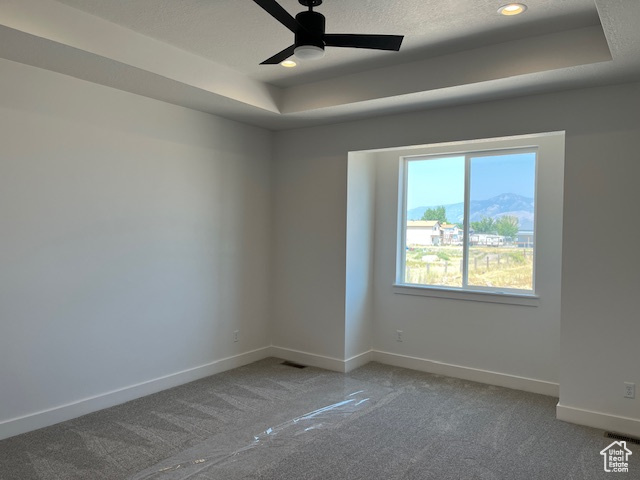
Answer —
(240, 454)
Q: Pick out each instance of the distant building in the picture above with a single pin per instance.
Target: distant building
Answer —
(525, 238)
(423, 232)
(488, 239)
(451, 234)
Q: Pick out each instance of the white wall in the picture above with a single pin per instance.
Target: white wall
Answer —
(513, 340)
(600, 315)
(599, 326)
(309, 244)
(360, 255)
(135, 240)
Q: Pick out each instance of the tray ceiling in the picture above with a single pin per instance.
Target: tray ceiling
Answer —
(206, 54)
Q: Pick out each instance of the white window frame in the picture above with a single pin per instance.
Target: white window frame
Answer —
(474, 148)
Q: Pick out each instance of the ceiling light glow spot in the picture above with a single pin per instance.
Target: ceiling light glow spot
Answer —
(512, 9)
(288, 63)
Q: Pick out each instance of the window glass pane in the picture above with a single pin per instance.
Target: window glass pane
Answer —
(501, 217)
(435, 216)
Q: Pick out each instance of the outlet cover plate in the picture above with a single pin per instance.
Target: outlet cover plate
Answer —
(629, 390)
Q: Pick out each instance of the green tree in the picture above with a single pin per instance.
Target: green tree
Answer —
(438, 213)
(508, 226)
(486, 225)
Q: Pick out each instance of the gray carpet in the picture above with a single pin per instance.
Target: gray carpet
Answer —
(269, 421)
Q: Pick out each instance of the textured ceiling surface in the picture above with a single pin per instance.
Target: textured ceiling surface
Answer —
(205, 54)
(239, 34)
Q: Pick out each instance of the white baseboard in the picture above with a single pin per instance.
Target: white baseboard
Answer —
(321, 361)
(603, 421)
(76, 409)
(45, 418)
(414, 363)
(357, 361)
(309, 359)
(468, 373)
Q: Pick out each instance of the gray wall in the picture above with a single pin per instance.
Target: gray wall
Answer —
(137, 236)
(599, 326)
(361, 222)
(135, 240)
(517, 340)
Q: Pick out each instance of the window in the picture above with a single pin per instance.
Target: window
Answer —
(467, 220)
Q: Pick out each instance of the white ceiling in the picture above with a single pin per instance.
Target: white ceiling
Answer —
(205, 54)
(239, 34)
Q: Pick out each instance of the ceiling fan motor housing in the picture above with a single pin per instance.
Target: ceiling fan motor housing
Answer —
(313, 31)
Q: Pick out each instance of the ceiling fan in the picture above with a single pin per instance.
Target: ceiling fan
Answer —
(310, 37)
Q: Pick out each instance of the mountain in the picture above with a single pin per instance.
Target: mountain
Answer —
(494, 207)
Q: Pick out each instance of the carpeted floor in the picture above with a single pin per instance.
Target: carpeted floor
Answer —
(270, 421)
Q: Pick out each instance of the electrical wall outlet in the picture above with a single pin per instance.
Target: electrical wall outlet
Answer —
(399, 336)
(235, 335)
(629, 390)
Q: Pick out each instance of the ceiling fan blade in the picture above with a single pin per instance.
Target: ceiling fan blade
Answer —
(276, 11)
(375, 42)
(279, 57)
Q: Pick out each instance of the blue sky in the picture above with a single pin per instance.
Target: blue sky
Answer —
(440, 181)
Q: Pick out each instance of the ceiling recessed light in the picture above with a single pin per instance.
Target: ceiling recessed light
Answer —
(512, 9)
(288, 63)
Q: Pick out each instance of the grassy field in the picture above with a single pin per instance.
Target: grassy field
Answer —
(502, 267)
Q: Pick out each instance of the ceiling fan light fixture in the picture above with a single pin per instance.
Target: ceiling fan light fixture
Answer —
(512, 9)
(309, 52)
(310, 37)
(288, 63)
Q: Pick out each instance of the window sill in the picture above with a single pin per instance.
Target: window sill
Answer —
(508, 298)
